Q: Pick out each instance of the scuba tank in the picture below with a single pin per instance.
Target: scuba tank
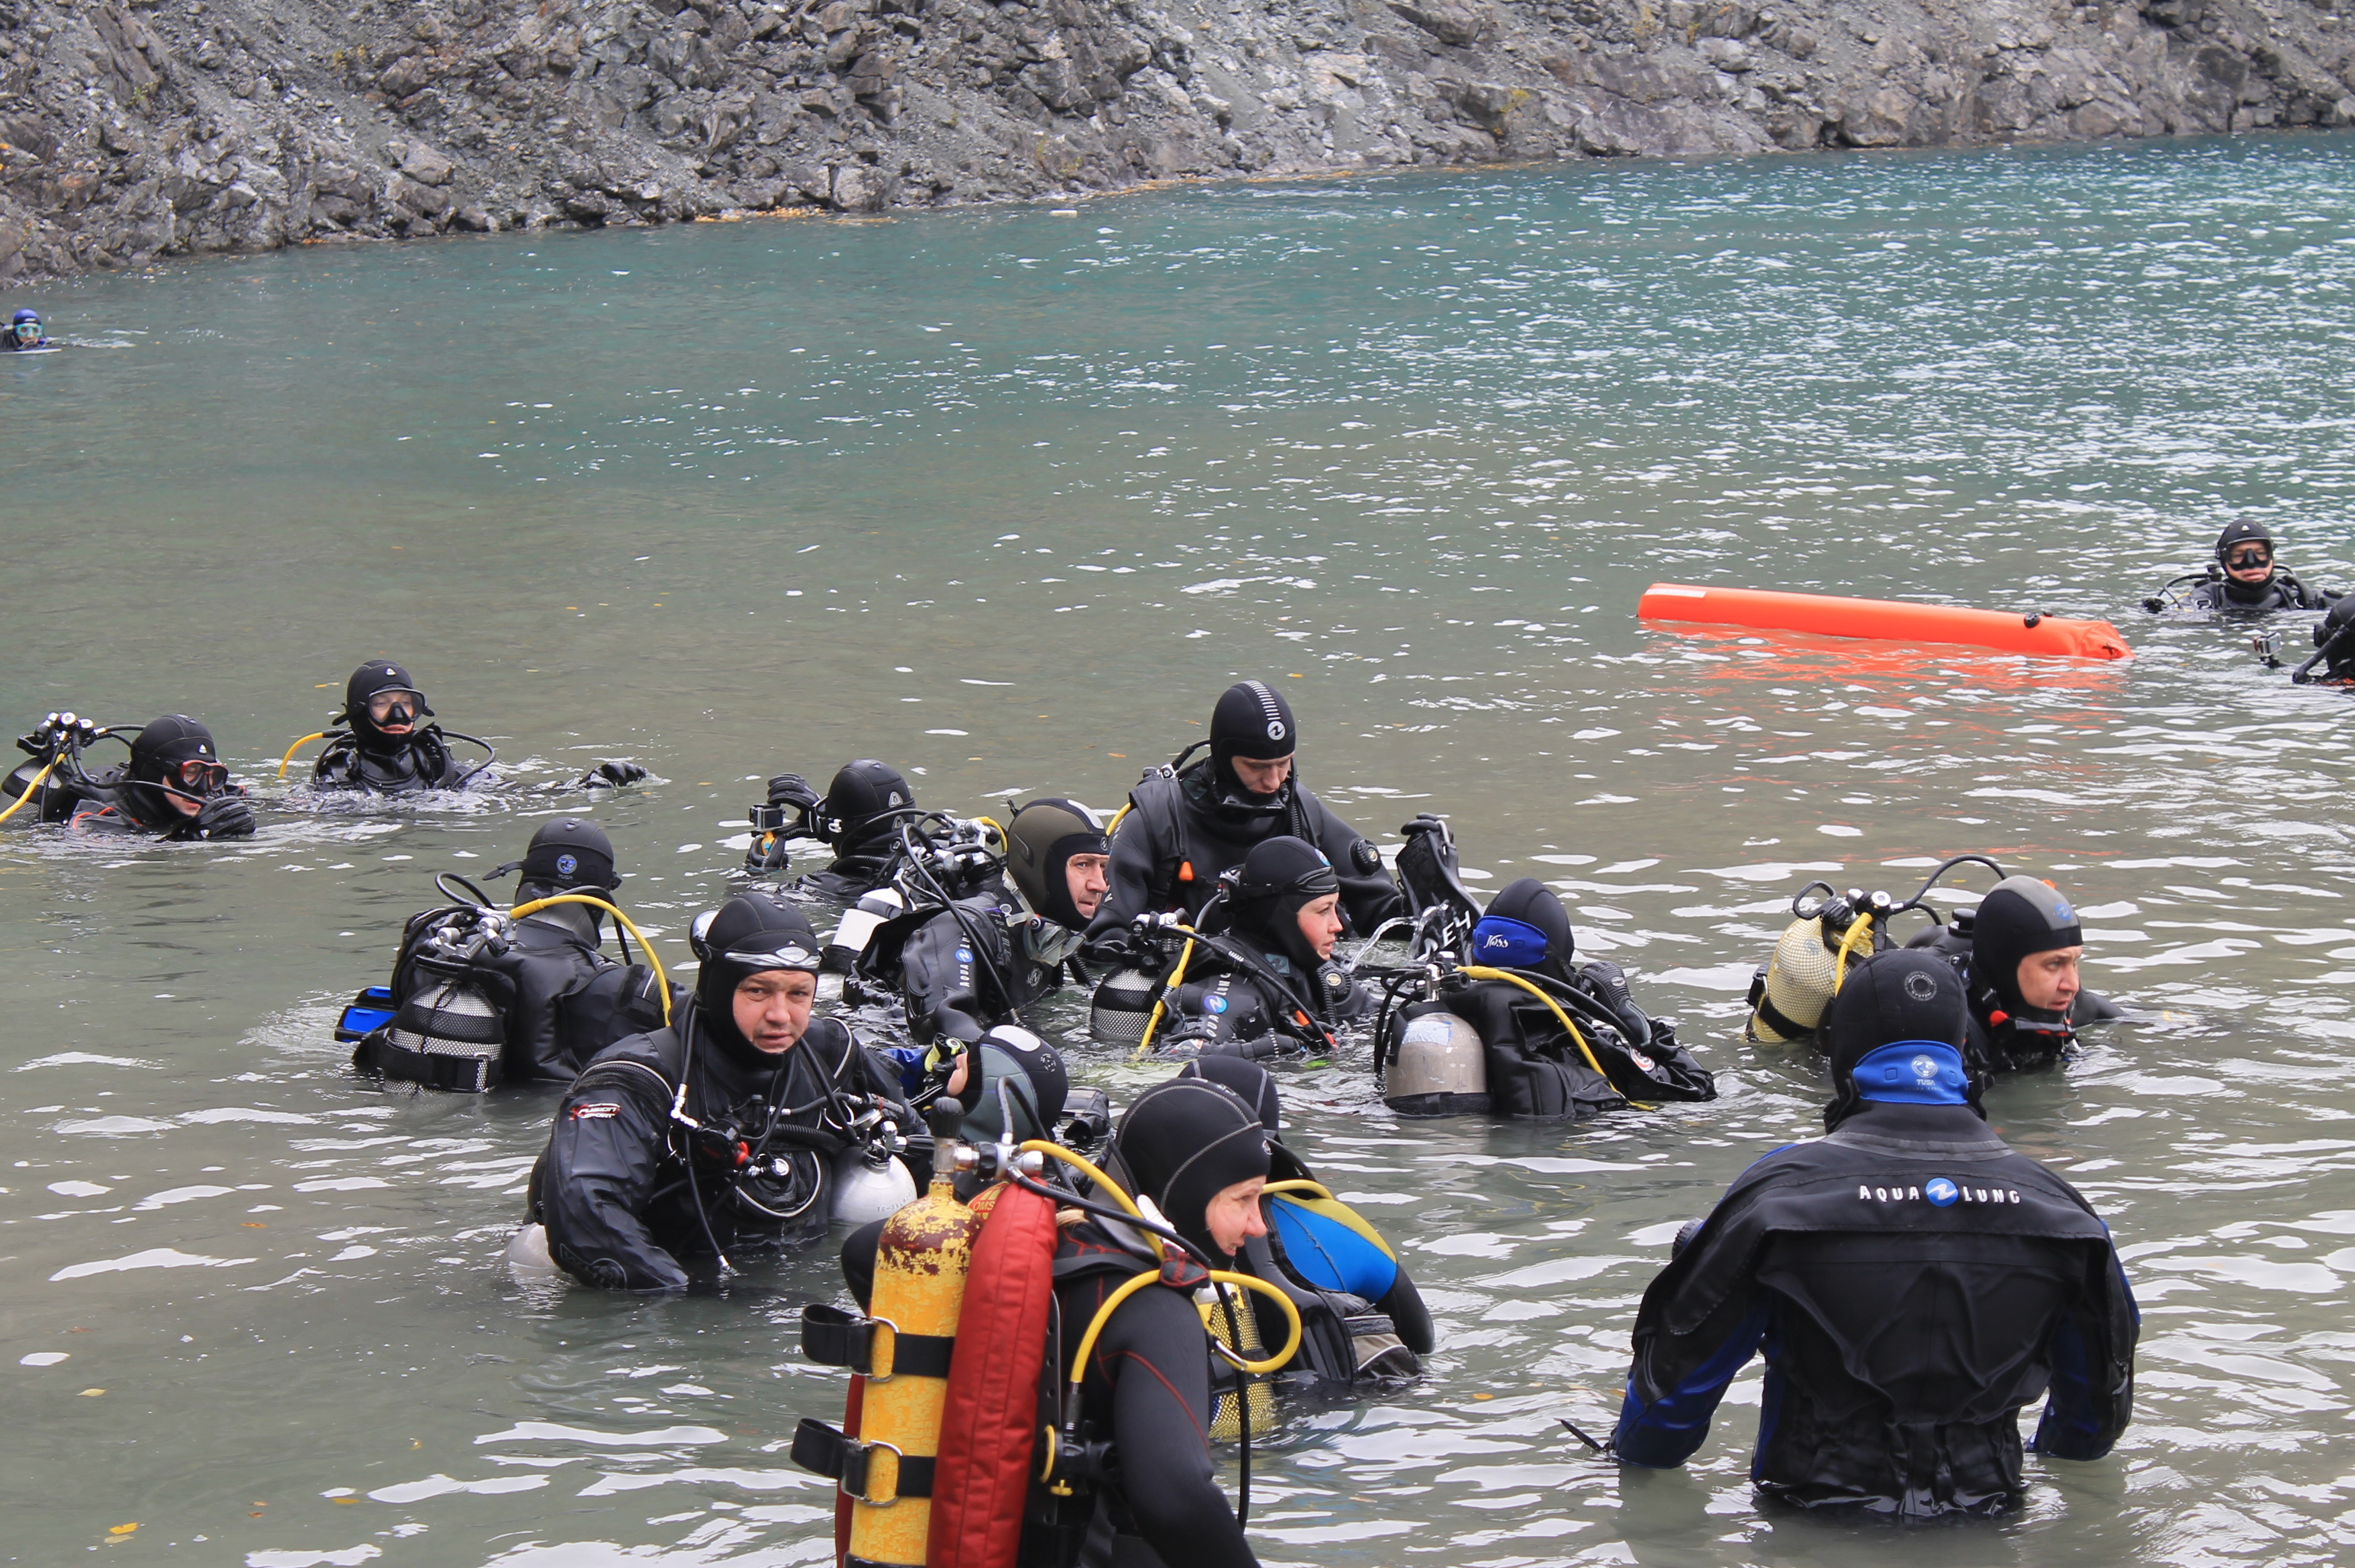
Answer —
(1123, 1005)
(869, 1185)
(859, 923)
(451, 1031)
(1437, 1067)
(1790, 992)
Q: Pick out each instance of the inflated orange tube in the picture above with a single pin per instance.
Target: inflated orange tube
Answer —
(1828, 615)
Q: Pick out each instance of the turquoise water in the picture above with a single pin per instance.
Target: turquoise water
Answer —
(1007, 496)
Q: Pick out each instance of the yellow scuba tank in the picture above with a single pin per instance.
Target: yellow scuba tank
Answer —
(920, 1273)
(1792, 989)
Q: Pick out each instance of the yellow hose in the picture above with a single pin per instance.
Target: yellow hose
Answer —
(1131, 1287)
(1114, 826)
(1482, 972)
(1161, 1003)
(1056, 1151)
(653, 963)
(30, 790)
(1860, 927)
(296, 747)
(1315, 1189)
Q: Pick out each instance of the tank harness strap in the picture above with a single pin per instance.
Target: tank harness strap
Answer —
(467, 1073)
(873, 1345)
(823, 1451)
(1778, 1021)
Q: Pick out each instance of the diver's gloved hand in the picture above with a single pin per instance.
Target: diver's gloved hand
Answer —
(792, 789)
(225, 816)
(611, 775)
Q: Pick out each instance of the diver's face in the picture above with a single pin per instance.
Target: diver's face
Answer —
(1232, 1217)
(2250, 563)
(394, 712)
(1263, 778)
(1320, 923)
(773, 1009)
(1086, 875)
(2049, 980)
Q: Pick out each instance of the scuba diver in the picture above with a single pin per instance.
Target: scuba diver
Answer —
(25, 333)
(1538, 1037)
(174, 786)
(962, 966)
(1363, 1322)
(1912, 1280)
(1184, 826)
(1257, 978)
(2334, 647)
(859, 818)
(479, 997)
(380, 744)
(2244, 578)
(717, 1135)
(2017, 954)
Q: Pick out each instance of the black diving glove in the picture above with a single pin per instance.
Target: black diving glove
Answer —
(224, 816)
(611, 775)
(792, 789)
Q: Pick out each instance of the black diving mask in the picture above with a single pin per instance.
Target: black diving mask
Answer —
(2249, 558)
(395, 705)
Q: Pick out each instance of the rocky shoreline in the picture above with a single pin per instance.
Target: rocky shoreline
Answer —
(134, 129)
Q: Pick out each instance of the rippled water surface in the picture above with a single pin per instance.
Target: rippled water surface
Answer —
(1006, 497)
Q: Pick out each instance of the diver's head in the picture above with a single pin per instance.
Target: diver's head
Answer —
(178, 751)
(2339, 662)
(1287, 899)
(858, 811)
(1252, 1083)
(2025, 945)
(1201, 1156)
(1057, 853)
(1526, 928)
(25, 326)
(2246, 551)
(1895, 1033)
(1252, 739)
(568, 855)
(758, 979)
(1035, 1078)
(382, 706)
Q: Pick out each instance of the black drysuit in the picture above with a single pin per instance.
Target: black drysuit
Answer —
(962, 973)
(617, 1190)
(1914, 1283)
(1177, 824)
(389, 764)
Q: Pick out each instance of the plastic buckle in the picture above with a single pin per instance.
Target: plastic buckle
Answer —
(858, 1472)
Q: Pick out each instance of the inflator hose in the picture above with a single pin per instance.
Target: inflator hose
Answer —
(1482, 972)
(644, 946)
(1161, 1003)
(297, 746)
(30, 790)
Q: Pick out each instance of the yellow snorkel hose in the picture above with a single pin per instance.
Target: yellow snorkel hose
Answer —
(644, 946)
(296, 747)
(1130, 1287)
(30, 790)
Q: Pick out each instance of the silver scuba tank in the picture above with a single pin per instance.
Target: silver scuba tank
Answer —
(1441, 1068)
(869, 1185)
(1123, 1005)
(527, 1255)
(859, 923)
(448, 1036)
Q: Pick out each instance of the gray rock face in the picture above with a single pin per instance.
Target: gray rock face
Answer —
(131, 129)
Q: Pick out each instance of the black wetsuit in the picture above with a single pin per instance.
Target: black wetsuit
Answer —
(420, 761)
(1914, 1283)
(109, 810)
(1239, 1000)
(962, 973)
(2282, 590)
(1177, 824)
(615, 1187)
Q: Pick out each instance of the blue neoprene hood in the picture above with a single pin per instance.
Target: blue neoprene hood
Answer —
(1507, 943)
(1912, 1073)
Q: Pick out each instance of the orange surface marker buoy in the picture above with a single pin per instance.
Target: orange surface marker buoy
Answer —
(1887, 620)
